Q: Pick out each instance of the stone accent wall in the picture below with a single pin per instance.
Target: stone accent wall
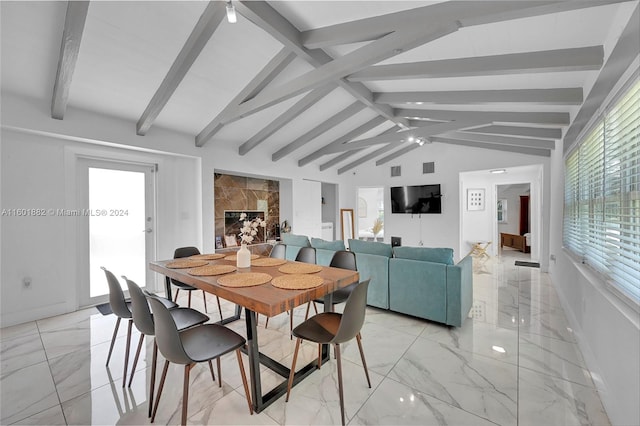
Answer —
(233, 192)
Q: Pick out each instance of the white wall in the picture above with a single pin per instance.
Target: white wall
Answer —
(435, 230)
(34, 169)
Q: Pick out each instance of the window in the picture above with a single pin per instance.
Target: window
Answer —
(502, 211)
(602, 196)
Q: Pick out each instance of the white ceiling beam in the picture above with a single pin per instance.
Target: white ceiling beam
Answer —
(410, 147)
(622, 55)
(552, 118)
(375, 122)
(498, 147)
(75, 19)
(519, 131)
(561, 60)
(560, 96)
(500, 140)
(267, 18)
(264, 77)
(426, 131)
(321, 128)
(391, 45)
(378, 152)
(341, 157)
(298, 108)
(467, 12)
(200, 35)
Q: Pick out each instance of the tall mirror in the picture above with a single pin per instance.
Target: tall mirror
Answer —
(346, 220)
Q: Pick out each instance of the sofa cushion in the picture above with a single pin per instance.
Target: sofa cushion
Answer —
(328, 245)
(295, 240)
(425, 254)
(370, 247)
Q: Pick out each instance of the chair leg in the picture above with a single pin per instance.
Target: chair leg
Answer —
(244, 380)
(204, 297)
(160, 387)
(340, 389)
(175, 300)
(266, 323)
(153, 376)
(291, 325)
(364, 363)
(219, 308)
(293, 368)
(319, 355)
(113, 339)
(135, 359)
(219, 371)
(189, 303)
(185, 392)
(213, 376)
(126, 353)
(306, 314)
(315, 308)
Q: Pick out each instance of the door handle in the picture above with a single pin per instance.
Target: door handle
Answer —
(148, 230)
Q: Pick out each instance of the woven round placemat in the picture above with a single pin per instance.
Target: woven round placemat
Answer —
(300, 268)
(212, 256)
(185, 263)
(297, 281)
(268, 261)
(234, 257)
(245, 279)
(209, 270)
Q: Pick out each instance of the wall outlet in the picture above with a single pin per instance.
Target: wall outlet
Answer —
(553, 258)
(26, 281)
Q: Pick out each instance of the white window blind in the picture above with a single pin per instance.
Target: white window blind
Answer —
(602, 196)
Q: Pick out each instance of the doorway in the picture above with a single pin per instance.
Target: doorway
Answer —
(118, 211)
(513, 217)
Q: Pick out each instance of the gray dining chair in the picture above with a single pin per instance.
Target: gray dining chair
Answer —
(121, 308)
(193, 345)
(334, 328)
(344, 260)
(143, 320)
(186, 252)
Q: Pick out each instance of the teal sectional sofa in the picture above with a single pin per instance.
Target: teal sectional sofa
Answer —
(422, 282)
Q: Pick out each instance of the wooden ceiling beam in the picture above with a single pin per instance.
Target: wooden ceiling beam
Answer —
(408, 148)
(75, 19)
(519, 131)
(375, 122)
(213, 14)
(391, 45)
(551, 118)
(560, 60)
(264, 77)
(500, 140)
(326, 125)
(405, 135)
(499, 147)
(559, 96)
(298, 108)
(341, 157)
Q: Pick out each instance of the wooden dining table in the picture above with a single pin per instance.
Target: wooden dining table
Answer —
(267, 300)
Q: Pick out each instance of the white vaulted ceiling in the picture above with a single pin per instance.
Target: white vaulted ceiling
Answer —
(341, 70)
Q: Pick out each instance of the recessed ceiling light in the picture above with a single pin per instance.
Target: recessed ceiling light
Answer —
(498, 171)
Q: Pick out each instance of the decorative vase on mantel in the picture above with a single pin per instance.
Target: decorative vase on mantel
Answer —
(243, 257)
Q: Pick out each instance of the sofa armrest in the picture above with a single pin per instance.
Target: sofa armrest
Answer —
(459, 291)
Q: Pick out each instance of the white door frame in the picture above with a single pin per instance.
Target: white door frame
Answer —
(83, 163)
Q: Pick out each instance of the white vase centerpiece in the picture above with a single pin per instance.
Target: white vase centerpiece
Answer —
(248, 231)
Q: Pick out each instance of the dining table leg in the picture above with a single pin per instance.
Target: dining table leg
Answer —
(254, 359)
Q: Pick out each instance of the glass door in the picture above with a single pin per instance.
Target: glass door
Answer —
(119, 225)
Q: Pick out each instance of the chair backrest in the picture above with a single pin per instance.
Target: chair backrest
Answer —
(142, 317)
(167, 335)
(278, 251)
(353, 314)
(344, 260)
(116, 296)
(306, 255)
(183, 252)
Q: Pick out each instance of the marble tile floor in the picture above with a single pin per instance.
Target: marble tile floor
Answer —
(514, 362)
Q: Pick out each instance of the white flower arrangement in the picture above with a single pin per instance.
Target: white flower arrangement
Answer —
(249, 228)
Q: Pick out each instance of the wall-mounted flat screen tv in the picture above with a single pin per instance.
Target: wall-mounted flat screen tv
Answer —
(416, 199)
